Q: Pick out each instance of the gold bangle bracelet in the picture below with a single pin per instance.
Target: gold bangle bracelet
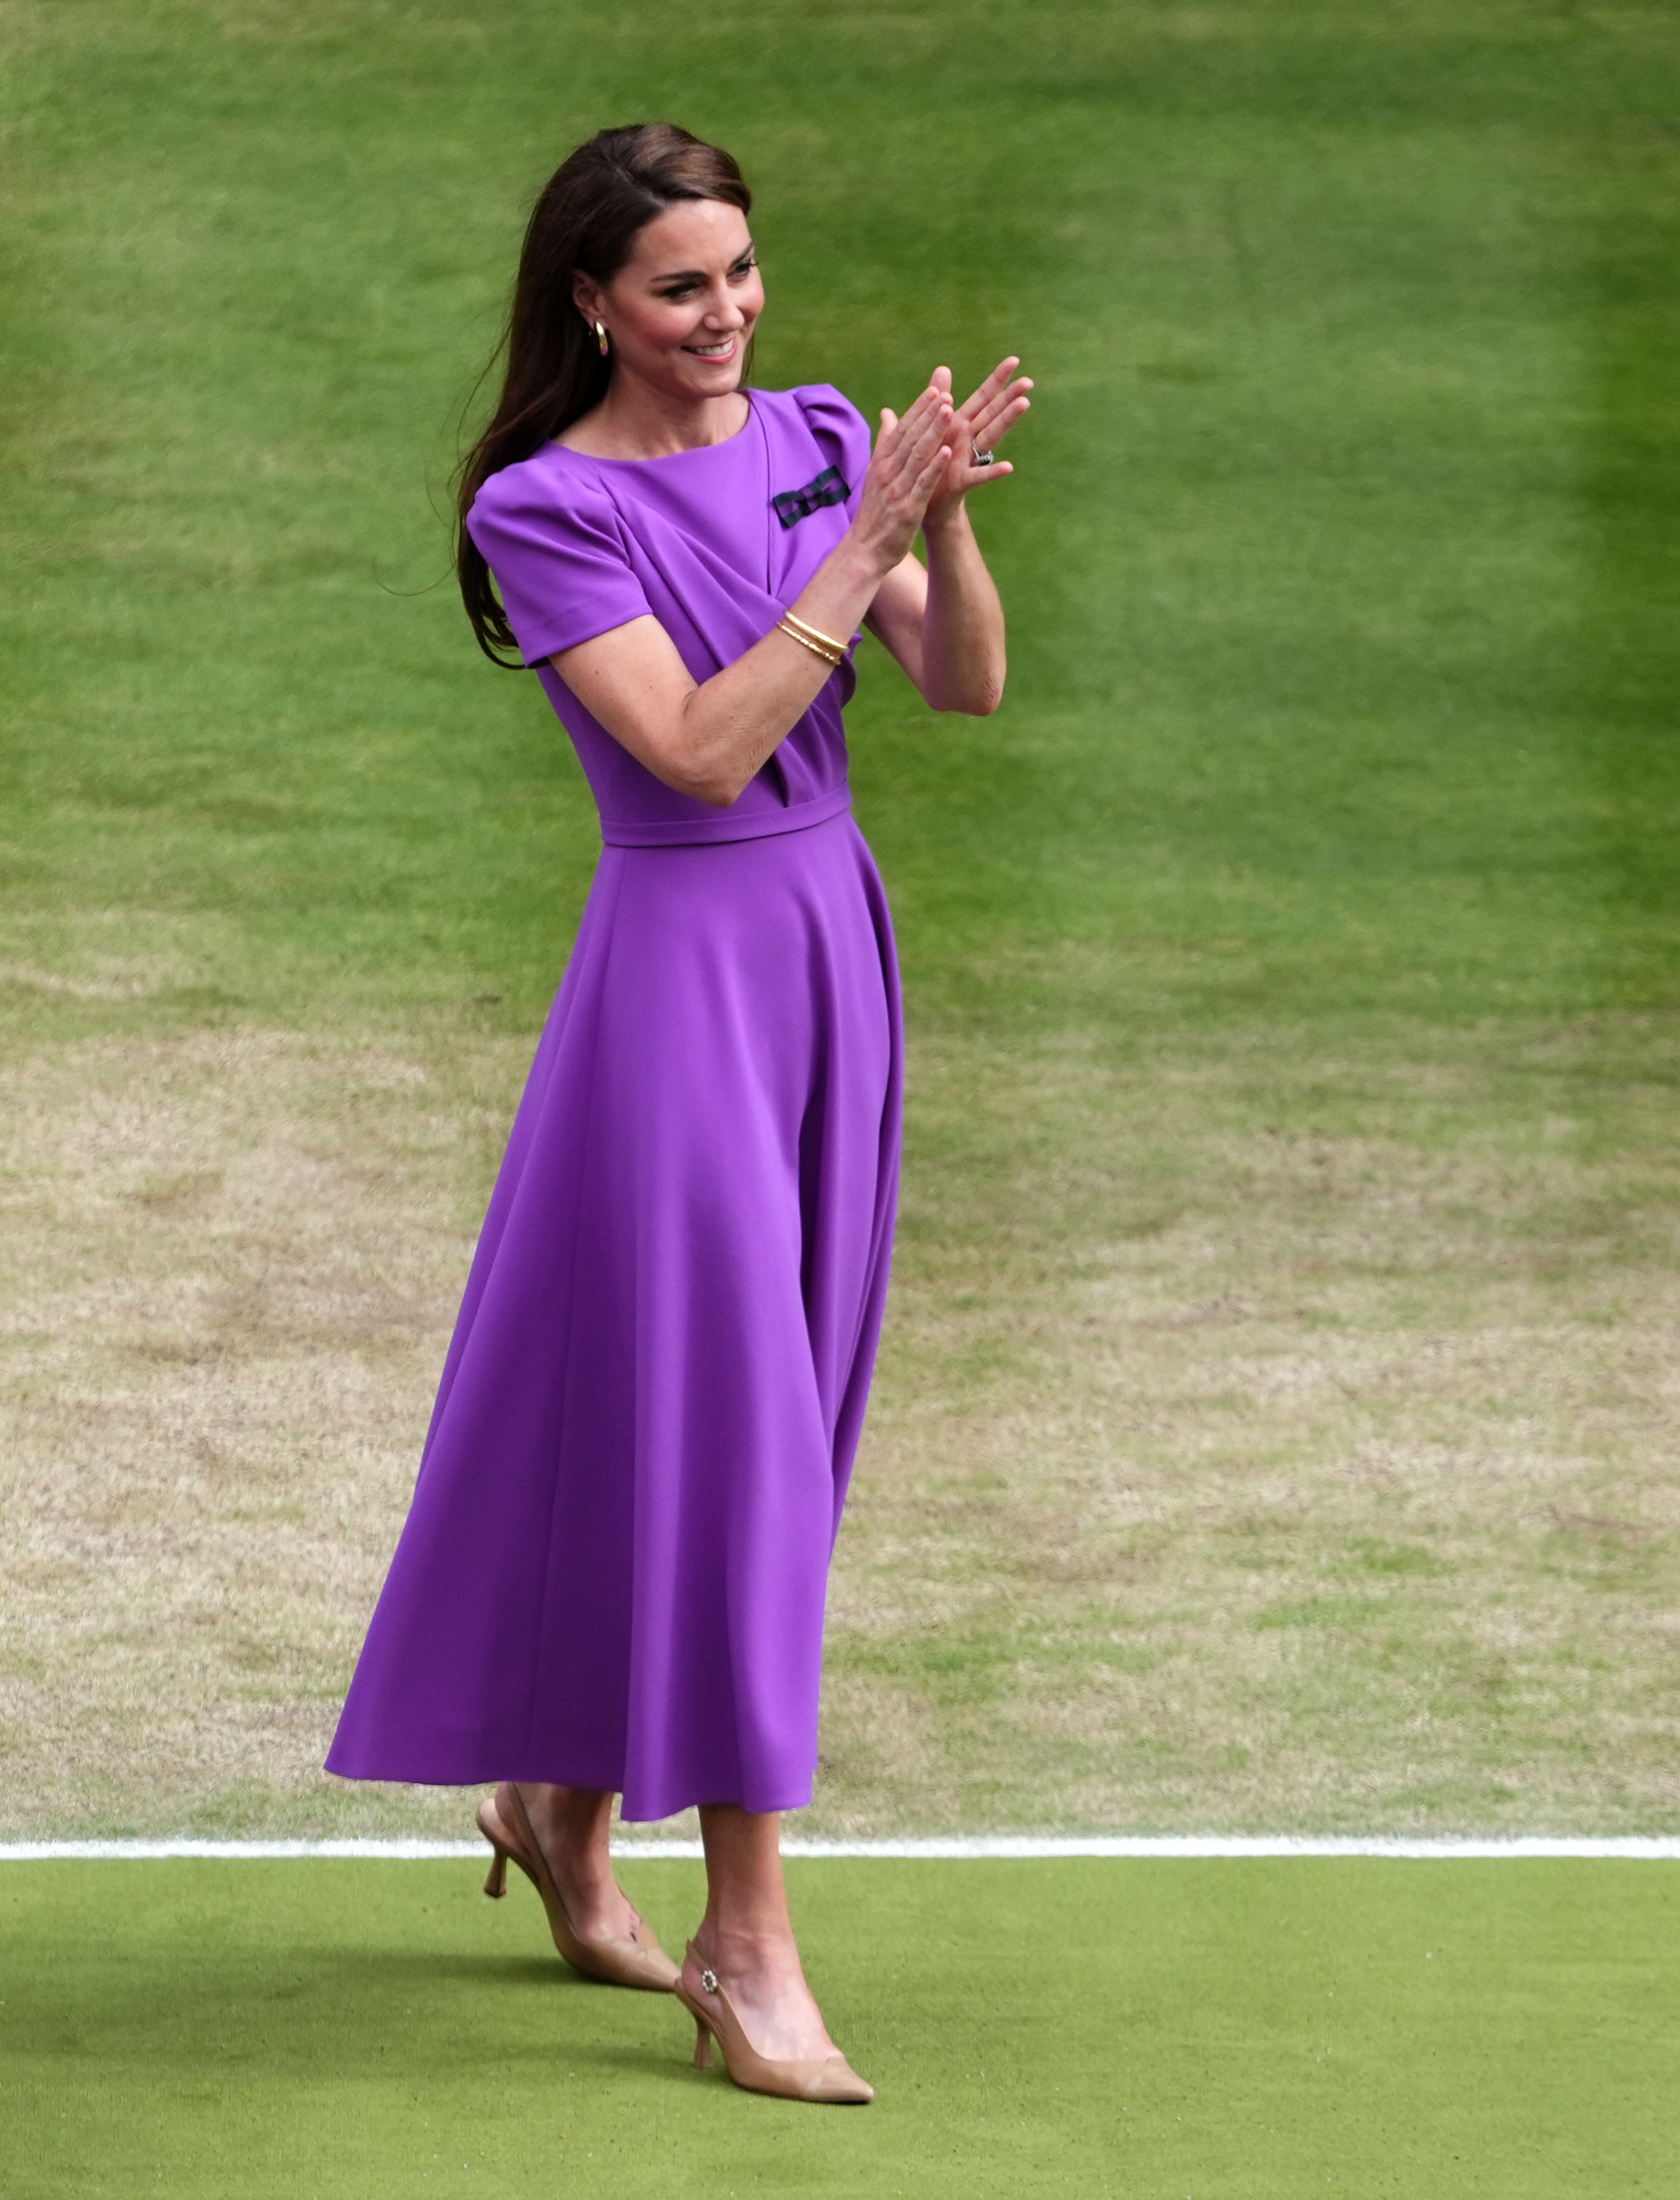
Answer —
(814, 633)
(836, 657)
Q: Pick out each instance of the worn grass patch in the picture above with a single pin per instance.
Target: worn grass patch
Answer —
(1276, 1436)
(1262, 1440)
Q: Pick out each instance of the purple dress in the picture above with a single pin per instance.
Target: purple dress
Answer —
(614, 1568)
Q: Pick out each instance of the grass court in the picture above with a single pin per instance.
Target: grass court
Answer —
(1253, 2028)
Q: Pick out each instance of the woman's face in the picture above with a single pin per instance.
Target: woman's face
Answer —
(681, 309)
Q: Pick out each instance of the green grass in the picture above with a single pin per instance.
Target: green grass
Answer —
(1292, 963)
(1150, 2029)
(1341, 600)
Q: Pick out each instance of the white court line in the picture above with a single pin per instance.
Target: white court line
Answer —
(1664, 1849)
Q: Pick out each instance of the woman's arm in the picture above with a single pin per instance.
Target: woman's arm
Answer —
(708, 739)
(944, 622)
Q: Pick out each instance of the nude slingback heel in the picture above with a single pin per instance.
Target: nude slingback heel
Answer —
(495, 1886)
(830, 2079)
(637, 1961)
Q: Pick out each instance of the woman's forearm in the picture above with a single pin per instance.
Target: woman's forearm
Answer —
(963, 653)
(709, 738)
(733, 722)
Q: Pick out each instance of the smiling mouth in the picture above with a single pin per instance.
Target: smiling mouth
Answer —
(718, 351)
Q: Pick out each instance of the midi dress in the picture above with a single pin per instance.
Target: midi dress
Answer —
(613, 1571)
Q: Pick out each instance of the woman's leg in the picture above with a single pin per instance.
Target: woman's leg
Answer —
(747, 1937)
(572, 1824)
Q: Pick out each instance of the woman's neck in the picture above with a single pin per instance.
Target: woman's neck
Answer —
(636, 421)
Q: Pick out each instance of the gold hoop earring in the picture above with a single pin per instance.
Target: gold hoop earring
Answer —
(600, 338)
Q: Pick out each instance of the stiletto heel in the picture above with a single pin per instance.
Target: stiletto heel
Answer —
(831, 2079)
(638, 1961)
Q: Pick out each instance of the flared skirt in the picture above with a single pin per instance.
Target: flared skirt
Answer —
(614, 1569)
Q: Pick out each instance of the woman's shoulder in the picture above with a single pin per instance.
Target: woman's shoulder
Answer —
(818, 403)
(816, 412)
(553, 488)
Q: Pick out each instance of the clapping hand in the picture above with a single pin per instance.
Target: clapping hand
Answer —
(941, 619)
(980, 425)
(912, 459)
(923, 465)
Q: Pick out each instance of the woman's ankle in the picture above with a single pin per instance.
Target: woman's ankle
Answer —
(574, 1826)
(741, 1950)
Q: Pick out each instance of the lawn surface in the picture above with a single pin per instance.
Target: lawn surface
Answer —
(1153, 2030)
(1276, 1423)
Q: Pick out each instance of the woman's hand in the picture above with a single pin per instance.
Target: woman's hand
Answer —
(912, 456)
(943, 620)
(981, 424)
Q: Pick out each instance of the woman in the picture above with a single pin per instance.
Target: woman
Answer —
(612, 1580)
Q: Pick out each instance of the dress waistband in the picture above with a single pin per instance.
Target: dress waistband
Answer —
(724, 824)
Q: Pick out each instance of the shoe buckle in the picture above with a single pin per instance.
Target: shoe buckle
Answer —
(709, 1980)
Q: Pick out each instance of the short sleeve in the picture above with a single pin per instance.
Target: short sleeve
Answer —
(556, 546)
(841, 431)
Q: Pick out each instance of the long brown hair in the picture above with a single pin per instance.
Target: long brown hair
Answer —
(585, 221)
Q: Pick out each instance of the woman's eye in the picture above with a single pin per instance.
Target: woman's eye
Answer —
(738, 274)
